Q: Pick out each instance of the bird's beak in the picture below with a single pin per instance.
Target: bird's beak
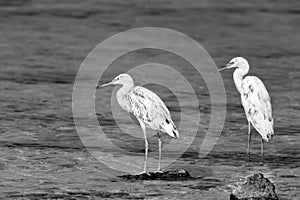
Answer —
(106, 84)
(222, 68)
(227, 66)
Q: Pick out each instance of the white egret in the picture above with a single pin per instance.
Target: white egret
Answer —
(147, 107)
(255, 100)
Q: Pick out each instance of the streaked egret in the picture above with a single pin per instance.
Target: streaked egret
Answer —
(255, 100)
(147, 107)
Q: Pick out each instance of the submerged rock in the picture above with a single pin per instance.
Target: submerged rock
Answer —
(256, 187)
(171, 175)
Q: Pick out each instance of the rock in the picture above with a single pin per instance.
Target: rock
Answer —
(171, 175)
(256, 187)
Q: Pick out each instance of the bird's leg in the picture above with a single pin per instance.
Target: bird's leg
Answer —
(159, 151)
(249, 140)
(262, 150)
(146, 147)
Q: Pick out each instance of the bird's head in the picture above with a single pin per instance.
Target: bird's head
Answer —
(121, 79)
(237, 62)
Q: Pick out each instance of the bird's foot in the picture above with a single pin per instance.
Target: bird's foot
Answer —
(143, 172)
(158, 171)
(249, 164)
(261, 163)
(249, 158)
(262, 160)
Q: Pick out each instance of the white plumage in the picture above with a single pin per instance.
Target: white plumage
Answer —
(257, 104)
(255, 100)
(147, 107)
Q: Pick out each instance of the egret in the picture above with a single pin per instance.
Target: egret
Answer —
(147, 107)
(255, 100)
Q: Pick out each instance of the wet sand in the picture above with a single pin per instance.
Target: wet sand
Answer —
(42, 45)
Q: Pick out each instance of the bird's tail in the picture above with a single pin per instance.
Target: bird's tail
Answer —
(169, 127)
(267, 133)
(269, 136)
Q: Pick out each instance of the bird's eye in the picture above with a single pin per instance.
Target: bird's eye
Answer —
(231, 63)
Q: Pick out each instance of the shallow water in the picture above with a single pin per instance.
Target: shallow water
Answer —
(42, 46)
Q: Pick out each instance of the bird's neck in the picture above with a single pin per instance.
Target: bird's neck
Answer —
(122, 95)
(238, 76)
(125, 88)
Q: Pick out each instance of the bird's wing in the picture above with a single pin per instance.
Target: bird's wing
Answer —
(146, 105)
(257, 105)
(150, 109)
